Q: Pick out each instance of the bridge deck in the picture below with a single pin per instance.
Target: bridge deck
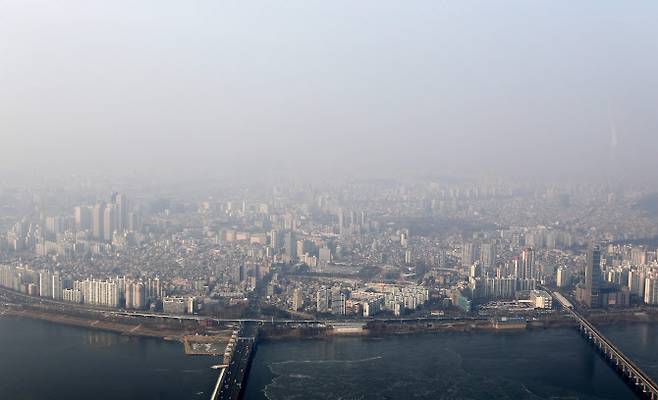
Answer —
(639, 377)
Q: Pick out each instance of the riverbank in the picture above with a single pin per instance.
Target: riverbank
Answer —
(193, 343)
(21, 305)
(137, 329)
(375, 329)
(372, 328)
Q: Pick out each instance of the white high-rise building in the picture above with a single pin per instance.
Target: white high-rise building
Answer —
(136, 296)
(528, 264)
(56, 292)
(323, 299)
(72, 295)
(45, 284)
(109, 222)
(488, 255)
(563, 277)
(468, 254)
(636, 283)
(97, 220)
(100, 293)
(83, 218)
(122, 211)
(651, 290)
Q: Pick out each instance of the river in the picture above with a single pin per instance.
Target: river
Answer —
(42, 360)
(532, 364)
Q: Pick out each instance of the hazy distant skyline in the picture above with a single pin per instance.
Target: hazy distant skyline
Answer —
(508, 87)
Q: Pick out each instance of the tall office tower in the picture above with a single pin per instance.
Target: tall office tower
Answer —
(83, 218)
(122, 210)
(527, 264)
(290, 244)
(97, 220)
(77, 215)
(593, 278)
(590, 294)
(109, 222)
(341, 221)
(562, 278)
(488, 255)
(275, 242)
(301, 248)
(468, 254)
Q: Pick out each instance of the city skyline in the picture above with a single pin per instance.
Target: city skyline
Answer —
(328, 199)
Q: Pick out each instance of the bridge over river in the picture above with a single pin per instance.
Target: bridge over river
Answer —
(233, 376)
(624, 366)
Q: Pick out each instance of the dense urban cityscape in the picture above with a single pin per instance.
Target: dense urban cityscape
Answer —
(362, 250)
(356, 257)
(328, 200)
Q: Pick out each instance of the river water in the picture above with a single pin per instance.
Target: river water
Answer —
(46, 361)
(534, 364)
(41, 360)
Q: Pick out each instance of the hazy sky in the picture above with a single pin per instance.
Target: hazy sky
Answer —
(517, 87)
